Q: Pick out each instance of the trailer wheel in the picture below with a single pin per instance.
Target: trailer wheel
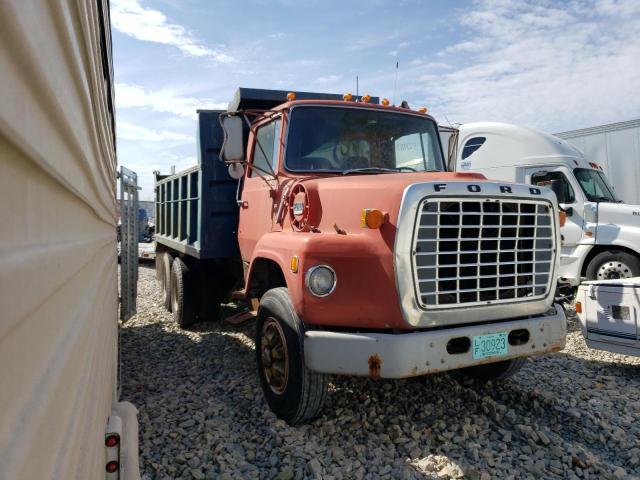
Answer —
(495, 371)
(182, 301)
(166, 281)
(613, 264)
(293, 392)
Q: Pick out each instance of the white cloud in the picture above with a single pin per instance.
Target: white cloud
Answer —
(150, 25)
(129, 131)
(327, 79)
(166, 101)
(542, 66)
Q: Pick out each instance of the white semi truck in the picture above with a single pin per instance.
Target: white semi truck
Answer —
(601, 235)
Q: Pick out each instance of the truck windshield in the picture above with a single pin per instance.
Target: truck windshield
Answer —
(358, 140)
(595, 185)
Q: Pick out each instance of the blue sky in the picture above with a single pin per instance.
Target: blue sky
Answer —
(550, 65)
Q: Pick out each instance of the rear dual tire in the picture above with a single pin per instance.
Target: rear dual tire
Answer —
(181, 294)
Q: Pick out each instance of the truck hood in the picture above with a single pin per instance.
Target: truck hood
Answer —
(337, 202)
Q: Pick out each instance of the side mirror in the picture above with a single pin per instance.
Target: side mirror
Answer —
(557, 188)
(232, 146)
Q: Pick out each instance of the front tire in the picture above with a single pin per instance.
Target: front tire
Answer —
(613, 264)
(495, 371)
(293, 392)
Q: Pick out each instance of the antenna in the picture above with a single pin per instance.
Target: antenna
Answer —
(395, 83)
(356, 88)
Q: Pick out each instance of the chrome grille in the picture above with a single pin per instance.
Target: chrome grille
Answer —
(482, 251)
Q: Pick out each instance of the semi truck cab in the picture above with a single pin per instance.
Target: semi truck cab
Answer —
(366, 256)
(601, 234)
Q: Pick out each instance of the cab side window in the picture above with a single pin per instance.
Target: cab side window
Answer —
(543, 179)
(266, 149)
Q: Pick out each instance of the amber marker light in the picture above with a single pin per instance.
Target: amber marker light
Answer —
(291, 96)
(347, 97)
(294, 264)
(385, 102)
(578, 307)
(562, 216)
(366, 98)
(423, 109)
(371, 218)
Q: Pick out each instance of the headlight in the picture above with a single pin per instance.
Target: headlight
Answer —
(321, 280)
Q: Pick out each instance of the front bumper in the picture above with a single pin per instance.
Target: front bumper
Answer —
(382, 355)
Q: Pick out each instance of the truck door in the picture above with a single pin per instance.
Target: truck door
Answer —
(256, 208)
(573, 228)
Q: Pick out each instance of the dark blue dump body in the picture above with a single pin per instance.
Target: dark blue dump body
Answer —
(196, 210)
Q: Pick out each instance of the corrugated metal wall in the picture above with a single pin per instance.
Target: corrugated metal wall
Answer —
(617, 148)
(58, 268)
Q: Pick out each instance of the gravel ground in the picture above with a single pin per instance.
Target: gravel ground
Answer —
(573, 414)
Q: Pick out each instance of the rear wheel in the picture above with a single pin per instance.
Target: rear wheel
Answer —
(182, 301)
(166, 281)
(613, 264)
(293, 392)
(495, 371)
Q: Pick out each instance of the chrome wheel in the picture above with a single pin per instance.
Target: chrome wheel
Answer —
(275, 362)
(614, 269)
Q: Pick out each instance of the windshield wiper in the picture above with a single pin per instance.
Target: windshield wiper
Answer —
(376, 170)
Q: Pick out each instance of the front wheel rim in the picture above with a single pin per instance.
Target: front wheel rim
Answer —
(614, 269)
(274, 356)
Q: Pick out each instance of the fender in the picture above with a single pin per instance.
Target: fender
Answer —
(363, 266)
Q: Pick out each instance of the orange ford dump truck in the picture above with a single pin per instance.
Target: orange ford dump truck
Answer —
(366, 256)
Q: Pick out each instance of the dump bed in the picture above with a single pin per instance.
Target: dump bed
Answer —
(196, 209)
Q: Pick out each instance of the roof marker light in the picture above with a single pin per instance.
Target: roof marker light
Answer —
(385, 102)
(347, 97)
(423, 109)
(366, 98)
(291, 96)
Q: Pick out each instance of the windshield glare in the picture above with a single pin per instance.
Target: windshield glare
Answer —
(595, 185)
(337, 139)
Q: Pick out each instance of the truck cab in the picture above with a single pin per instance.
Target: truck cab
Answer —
(601, 234)
(364, 255)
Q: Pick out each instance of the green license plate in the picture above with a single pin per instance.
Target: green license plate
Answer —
(492, 345)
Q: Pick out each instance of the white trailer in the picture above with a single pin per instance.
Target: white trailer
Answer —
(60, 412)
(601, 235)
(617, 148)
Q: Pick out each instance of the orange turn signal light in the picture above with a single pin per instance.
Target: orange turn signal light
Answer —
(578, 307)
(366, 98)
(347, 97)
(371, 218)
(562, 216)
(291, 96)
(385, 102)
(294, 264)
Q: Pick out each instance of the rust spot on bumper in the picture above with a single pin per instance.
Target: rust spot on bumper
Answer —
(375, 363)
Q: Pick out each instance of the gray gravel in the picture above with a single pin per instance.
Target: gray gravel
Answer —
(574, 414)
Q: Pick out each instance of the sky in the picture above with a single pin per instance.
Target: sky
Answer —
(550, 65)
